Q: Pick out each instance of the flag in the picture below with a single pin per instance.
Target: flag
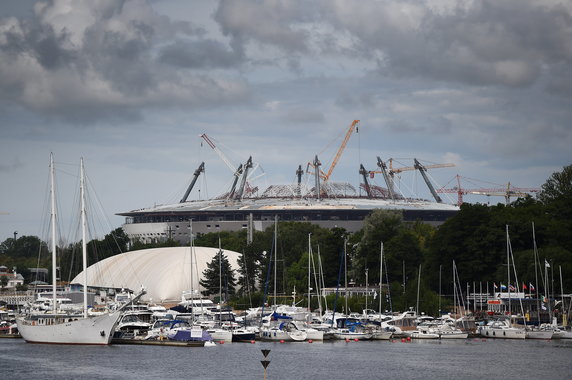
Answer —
(531, 287)
(511, 288)
(546, 264)
(495, 285)
(502, 287)
(524, 286)
(544, 298)
(374, 294)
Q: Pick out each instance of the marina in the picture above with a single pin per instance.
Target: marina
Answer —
(423, 359)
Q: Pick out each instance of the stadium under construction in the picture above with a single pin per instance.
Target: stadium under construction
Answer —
(325, 203)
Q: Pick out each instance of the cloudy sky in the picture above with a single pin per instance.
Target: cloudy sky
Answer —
(129, 85)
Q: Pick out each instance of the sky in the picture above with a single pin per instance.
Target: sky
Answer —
(130, 85)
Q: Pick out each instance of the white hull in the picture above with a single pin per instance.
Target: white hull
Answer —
(507, 333)
(342, 335)
(423, 335)
(454, 335)
(278, 335)
(92, 330)
(220, 335)
(381, 335)
(539, 334)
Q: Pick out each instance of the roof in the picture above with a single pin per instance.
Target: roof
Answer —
(274, 204)
(164, 272)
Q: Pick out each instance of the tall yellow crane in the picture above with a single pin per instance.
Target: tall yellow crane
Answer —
(325, 176)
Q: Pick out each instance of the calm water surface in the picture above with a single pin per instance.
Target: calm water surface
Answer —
(471, 359)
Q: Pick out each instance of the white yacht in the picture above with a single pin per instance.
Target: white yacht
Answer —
(502, 330)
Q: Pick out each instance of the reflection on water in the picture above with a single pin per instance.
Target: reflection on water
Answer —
(470, 359)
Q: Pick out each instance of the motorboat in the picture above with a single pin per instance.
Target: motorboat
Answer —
(501, 329)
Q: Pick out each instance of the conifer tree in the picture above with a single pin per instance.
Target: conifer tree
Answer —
(211, 278)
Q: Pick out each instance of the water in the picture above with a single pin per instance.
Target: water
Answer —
(455, 359)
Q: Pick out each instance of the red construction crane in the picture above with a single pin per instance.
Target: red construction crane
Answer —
(506, 192)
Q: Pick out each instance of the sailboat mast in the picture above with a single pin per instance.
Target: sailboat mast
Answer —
(275, 254)
(562, 297)
(418, 284)
(83, 236)
(508, 268)
(192, 286)
(346, 274)
(536, 272)
(380, 276)
(53, 217)
(219, 282)
(309, 274)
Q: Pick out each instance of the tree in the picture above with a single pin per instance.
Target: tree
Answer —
(557, 187)
(218, 271)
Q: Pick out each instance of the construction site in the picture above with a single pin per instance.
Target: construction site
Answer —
(312, 198)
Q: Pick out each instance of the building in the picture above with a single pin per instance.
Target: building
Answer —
(159, 223)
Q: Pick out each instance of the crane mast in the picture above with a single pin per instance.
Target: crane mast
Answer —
(247, 166)
(423, 171)
(364, 173)
(237, 174)
(196, 174)
(388, 180)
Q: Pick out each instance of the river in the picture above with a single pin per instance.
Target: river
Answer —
(453, 359)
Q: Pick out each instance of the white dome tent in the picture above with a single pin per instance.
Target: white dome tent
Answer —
(164, 272)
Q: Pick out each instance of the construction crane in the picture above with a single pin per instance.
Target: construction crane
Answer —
(219, 152)
(196, 174)
(364, 174)
(325, 176)
(423, 170)
(506, 192)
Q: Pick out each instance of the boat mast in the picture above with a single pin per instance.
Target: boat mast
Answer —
(83, 236)
(508, 269)
(309, 274)
(380, 276)
(192, 286)
(346, 274)
(53, 217)
(562, 297)
(418, 284)
(536, 272)
(275, 253)
(219, 283)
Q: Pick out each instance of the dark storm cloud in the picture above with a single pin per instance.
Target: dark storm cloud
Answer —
(85, 61)
(510, 43)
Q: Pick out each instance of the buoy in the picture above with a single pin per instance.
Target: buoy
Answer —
(356, 339)
(252, 341)
(347, 340)
(409, 339)
(281, 340)
(310, 340)
(221, 342)
(402, 340)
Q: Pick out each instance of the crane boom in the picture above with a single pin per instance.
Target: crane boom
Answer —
(507, 192)
(341, 149)
(219, 152)
(423, 171)
(364, 174)
(388, 180)
(196, 174)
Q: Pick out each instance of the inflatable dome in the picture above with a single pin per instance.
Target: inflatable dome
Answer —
(164, 272)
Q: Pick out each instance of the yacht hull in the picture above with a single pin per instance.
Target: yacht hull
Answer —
(90, 331)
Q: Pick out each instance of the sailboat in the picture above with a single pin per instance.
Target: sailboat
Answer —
(68, 328)
(503, 328)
